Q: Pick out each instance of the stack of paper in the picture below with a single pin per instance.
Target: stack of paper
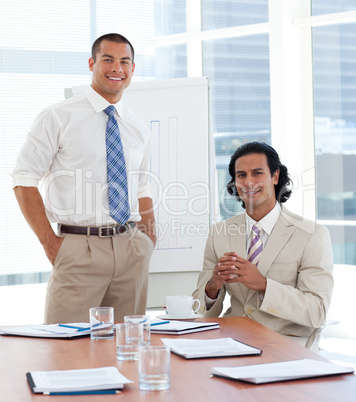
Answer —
(71, 382)
(281, 371)
(72, 330)
(197, 348)
(182, 327)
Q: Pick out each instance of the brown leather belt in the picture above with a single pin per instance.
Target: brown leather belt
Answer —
(104, 231)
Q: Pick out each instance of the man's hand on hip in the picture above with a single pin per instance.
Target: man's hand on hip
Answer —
(52, 247)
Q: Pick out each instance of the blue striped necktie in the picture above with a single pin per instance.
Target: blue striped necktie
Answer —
(116, 166)
(256, 246)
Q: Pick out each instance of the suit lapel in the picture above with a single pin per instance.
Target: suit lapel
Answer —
(281, 233)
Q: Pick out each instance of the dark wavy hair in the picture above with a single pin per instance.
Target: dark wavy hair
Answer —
(282, 189)
(111, 37)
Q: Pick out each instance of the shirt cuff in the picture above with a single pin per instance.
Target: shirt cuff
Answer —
(210, 302)
(144, 192)
(23, 181)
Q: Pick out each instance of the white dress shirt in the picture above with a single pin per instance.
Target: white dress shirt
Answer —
(266, 223)
(66, 149)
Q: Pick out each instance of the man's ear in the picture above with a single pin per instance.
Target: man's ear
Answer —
(276, 177)
(91, 63)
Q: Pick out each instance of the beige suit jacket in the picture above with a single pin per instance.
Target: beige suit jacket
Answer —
(297, 262)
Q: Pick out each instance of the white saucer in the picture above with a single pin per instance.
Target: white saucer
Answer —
(168, 317)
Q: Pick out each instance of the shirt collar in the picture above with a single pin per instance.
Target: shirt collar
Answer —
(267, 222)
(99, 103)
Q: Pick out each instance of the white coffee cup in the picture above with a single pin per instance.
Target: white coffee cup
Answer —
(181, 306)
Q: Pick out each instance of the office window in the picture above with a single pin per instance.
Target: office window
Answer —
(231, 13)
(170, 17)
(44, 48)
(134, 20)
(334, 60)
(239, 72)
(320, 7)
(171, 61)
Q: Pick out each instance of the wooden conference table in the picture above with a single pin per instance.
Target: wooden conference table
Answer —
(190, 379)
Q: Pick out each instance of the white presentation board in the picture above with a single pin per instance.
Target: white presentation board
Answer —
(177, 113)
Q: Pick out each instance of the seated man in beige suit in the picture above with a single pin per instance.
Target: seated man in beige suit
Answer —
(278, 273)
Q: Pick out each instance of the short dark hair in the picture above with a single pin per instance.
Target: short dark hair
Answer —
(282, 188)
(111, 37)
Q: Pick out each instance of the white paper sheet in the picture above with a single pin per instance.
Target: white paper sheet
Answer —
(78, 380)
(222, 347)
(281, 371)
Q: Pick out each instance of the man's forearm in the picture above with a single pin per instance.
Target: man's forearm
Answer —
(211, 292)
(147, 223)
(32, 208)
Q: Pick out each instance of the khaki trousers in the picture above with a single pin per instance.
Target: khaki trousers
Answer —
(90, 271)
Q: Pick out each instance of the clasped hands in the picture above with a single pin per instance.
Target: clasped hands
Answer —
(233, 268)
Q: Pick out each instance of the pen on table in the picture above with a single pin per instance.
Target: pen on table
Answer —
(78, 328)
(159, 323)
(95, 392)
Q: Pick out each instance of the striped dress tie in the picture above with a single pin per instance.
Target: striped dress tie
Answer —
(116, 166)
(256, 246)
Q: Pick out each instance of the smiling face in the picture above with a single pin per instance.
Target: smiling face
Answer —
(112, 70)
(255, 185)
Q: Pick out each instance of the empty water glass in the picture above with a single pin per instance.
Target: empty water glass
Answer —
(129, 340)
(101, 323)
(145, 320)
(154, 368)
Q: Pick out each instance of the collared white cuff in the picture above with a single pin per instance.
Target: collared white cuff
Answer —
(145, 192)
(210, 302)
(19, 180)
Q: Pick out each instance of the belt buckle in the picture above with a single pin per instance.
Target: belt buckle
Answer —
(100, 233)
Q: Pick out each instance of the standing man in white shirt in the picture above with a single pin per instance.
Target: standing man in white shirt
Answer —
(96, 260)
(276, 266)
